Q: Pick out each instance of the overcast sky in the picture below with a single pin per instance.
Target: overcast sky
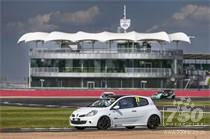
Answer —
(22, 16)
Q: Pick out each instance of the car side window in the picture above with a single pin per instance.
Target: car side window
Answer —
(141, 101)
(128, 102)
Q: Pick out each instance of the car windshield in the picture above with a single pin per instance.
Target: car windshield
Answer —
(102, 103)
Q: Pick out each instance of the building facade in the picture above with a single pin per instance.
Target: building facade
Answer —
(196, 69)
(105, 60)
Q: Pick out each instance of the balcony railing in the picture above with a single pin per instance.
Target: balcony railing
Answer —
(44, 69)
(104, 51)
(150, 71)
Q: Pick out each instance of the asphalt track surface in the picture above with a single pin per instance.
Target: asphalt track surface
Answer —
(69, 102)
(74, 102)
(53, 102)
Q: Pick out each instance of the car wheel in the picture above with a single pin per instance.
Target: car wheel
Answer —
(79, 128)
(104, 123)
(130, 127)
(153, 122)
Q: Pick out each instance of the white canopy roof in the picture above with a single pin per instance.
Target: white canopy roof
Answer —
(179, 36)
(34, 36)
(104, 36)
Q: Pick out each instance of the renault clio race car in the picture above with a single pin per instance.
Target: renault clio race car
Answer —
(117, 111)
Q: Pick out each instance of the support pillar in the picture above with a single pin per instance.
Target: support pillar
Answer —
(29, 73)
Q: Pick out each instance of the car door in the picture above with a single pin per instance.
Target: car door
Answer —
(143, 110)
(126, 114)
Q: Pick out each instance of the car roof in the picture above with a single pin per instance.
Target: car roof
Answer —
(116, 97)
(136, 96)
(148, 98)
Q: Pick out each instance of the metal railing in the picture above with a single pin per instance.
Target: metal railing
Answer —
(104, 51)
(148, 70)
(44, 69)
(166, 71)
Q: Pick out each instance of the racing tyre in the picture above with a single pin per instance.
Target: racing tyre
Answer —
(153, 122)
(130, 127)
(104, 123)
(173, 97)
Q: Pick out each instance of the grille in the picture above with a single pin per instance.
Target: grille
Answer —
(78, 122)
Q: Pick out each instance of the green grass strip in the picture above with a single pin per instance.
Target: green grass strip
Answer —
(34, 117)
(30, 117)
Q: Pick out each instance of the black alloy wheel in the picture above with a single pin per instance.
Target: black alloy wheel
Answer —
(104, 123)
(153, 122)
(173, 97)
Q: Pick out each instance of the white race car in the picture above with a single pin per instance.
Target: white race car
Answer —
(117, 111)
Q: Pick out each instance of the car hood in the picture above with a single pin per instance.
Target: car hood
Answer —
(85, 110)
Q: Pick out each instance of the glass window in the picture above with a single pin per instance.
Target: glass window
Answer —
(102, 103)
(128, 102)
(89, 65)
(141, 101)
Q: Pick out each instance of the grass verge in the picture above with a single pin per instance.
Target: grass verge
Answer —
(31, 117)
(186, 119)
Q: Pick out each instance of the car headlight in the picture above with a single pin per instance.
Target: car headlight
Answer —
(72, 115)
(91, 113)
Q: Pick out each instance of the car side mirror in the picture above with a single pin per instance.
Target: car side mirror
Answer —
(116, 107)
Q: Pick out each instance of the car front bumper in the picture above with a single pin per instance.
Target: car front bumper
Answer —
(83, 121)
